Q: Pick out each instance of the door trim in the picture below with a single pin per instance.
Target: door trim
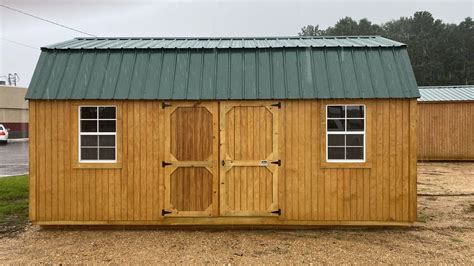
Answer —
(211, 163)
(275, 110)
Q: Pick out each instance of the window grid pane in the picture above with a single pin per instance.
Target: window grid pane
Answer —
(351, 127)
(103, 128)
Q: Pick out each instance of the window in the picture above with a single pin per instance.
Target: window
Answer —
(345, 133)
(97, 134)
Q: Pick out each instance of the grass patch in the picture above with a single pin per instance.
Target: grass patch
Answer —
(423, 217)
(13, 202)
(457, 240)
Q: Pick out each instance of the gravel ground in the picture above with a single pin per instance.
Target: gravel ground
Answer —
(443, 234)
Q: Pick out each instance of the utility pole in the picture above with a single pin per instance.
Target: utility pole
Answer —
(13, 79)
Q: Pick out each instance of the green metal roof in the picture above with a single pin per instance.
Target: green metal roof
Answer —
(304, 72)
(224, 43)
(446, 93)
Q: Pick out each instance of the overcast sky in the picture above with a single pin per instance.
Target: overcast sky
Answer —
(21, 35)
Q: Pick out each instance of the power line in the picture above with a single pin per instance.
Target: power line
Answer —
(47, 20)
(19, 43)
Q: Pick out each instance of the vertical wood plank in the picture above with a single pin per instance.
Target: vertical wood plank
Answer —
(413, 150)
(353, 187)
(109, 195)
(94, 191)
(89, 186)
(261, 150)
(393, 153)
(315, 158)
(32, 207)
(143, 160)
(360, 194)
(252, 154)
(41, 163)
(54, 160)
(48, 176)
(307, 158)
(340, 194)
(68, 192)
(61, 144)
(322, 172)
(367, 206)
(125, 170)
(155, 131)
(131, 173)
(137, 159)
(373, 174)
(74, 180)
(149, 161)
(296, 153)
(289, 173)
(347, 194)
(106, 196)
(405, 158)
(398, 162)
(80, 195)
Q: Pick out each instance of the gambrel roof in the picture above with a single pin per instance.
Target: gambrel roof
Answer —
(347, 67)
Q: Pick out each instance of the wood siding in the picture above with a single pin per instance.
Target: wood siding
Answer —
(446, 131)
(386, 191)
(382, 193)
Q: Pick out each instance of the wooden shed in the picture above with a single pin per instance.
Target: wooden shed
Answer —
(446, 123)
(223, 131)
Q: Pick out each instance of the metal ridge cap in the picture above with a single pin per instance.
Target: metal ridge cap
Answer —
(315, 47)
(228, 38)
(444, 87)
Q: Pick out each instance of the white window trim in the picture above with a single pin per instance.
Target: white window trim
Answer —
(345, 132)
(96, 133)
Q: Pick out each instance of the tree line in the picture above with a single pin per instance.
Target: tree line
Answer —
(440, 53)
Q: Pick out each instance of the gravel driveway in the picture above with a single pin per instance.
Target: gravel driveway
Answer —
(14, 159)
(443, 234)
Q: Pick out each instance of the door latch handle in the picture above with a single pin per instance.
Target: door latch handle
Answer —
(278, 104)
(164, 212)
(277, 212)
(164, 164)
(223, 163)
(164, 105)
(277, 162)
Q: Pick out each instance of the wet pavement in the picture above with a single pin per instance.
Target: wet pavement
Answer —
(13, 159)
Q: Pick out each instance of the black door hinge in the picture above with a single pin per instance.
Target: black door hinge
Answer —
(277, 212)
(163, 212)
(277, 162)
(223, 163)
(277, 105)
(164, 105)
(164, 164)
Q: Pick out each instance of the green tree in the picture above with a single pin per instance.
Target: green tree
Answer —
(311, 30)
(441, 53)
(348, 26)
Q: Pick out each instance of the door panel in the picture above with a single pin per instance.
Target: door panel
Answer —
(191, 133)
(191, 189)
(249, 156)
(249, 188)
(191, 173)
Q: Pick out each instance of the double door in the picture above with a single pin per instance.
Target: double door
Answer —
(222, 159)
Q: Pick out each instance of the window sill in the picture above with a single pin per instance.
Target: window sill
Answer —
(97, 166)
(339, 165)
